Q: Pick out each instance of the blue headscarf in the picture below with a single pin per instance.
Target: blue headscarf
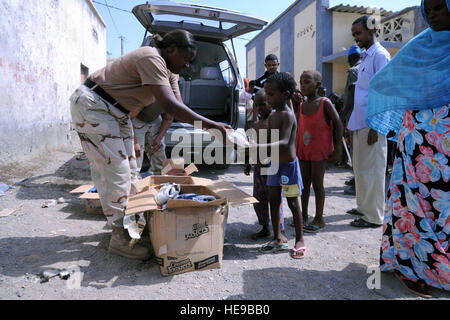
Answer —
(417, 78)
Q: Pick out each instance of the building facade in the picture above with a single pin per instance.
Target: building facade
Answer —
(46, 50)
(311, 35)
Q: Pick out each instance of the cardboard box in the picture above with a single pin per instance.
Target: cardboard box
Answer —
(175, 167)
(92, 200)
(188, 235)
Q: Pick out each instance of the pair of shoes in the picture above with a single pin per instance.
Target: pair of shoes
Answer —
(350, 191)
(263, 233)
(355, 212)
(312, 228)
(360, 223)
(420, 289)
(350, 182)
(272, 247)
(298, 253)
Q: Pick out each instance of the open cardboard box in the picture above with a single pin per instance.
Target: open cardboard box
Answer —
(188, 235)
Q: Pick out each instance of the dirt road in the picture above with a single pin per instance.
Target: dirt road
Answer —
(339, 261)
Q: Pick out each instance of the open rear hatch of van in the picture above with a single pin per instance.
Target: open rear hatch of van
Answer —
(227, 24)
(211, 85)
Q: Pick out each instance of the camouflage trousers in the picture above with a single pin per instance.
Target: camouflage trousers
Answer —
(145, 134)
(107, 138)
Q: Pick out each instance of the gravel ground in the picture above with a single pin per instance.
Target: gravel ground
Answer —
(35, 239)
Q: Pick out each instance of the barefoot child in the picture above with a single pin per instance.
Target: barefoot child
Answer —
(319, 139)
(283, 172)
(260, 192)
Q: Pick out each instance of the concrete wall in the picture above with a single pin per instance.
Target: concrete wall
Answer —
(342, 30)
(305, 36)
(305, 31)
(272, 45)
(251, 64)
(42, 48)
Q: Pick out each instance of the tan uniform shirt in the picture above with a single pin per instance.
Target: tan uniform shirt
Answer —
(151, 112)
(125, 78)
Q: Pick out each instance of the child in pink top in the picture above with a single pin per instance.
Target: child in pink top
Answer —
(319, 138)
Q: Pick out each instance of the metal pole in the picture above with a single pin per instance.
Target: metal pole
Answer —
(121, 45)
(346, 151)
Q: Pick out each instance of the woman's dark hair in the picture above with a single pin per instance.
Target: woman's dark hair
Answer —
(283, 81)
(181, 38)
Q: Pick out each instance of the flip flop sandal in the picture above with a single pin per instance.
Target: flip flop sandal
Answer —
(415, 287)
(312, 228)
(361, 223)
(295, 253)
(355, 212)
(273, 247)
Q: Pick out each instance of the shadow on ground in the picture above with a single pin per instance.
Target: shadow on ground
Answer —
(33, 255)
(300, 284)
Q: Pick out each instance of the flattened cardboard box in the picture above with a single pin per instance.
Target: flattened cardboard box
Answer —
(188, 235)
(92, 200)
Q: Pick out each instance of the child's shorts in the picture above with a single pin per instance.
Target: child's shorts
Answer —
(289, 178)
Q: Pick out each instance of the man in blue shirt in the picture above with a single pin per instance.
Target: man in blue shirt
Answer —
(369, 147)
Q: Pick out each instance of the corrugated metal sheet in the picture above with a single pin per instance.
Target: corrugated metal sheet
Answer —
(357, 9)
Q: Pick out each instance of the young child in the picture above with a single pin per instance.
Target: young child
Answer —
(260, 192)
(284, 172)
(318, 140)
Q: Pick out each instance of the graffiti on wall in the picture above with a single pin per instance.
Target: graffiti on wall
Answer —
(26, 74)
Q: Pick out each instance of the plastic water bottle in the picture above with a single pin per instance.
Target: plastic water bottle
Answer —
(4, 187)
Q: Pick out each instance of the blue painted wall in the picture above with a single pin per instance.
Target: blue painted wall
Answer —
(286, 23)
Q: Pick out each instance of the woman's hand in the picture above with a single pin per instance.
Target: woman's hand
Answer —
(137, 149)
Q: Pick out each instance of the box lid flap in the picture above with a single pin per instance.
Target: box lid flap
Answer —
(141, 202)
(190, 169)
(143, 183)
(87, 195)
(235, 196)
(177, 165)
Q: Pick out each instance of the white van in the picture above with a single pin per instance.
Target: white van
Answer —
(212, 86)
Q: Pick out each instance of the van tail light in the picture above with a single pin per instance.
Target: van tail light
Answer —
(243, 97)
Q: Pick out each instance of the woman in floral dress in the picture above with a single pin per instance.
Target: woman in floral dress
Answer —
(409, 102)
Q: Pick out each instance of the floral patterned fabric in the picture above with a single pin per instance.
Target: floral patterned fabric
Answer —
(417, 219)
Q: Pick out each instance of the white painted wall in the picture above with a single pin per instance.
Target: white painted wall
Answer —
(342, 30)
(340, 77)
(305, 47)
(272, 45)
(42, 46)
(251, 64)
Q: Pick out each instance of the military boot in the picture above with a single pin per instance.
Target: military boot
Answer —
(120, 245)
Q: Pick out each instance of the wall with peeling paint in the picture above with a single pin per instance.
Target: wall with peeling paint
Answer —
(43, 46)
